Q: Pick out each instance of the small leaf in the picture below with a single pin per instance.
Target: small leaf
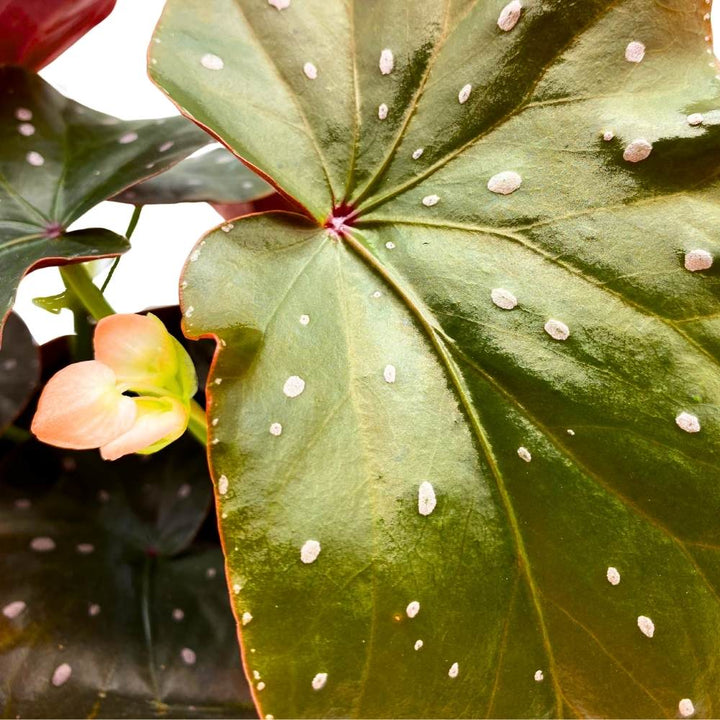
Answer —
(60, 159)
(506, 288)
(54, 304)
(21, 254)
(108, 607)
(215, 177)
(19, 370)
(35, 32)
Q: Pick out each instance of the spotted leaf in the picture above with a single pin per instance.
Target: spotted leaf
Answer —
(59, 159)
(108, 607)
(215, 177)
(481, 377)
(19, 370)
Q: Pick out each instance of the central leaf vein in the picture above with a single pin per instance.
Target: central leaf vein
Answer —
(482, 439)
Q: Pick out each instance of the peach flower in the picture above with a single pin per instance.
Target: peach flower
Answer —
(85, 406)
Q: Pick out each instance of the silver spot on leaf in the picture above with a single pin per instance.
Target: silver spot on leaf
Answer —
(524, 454)
(426, 498)
(223, 484)
(696, 260)
(127, 138)
(557, 329)
(464, 93)
(61, 675)
(387, 61)
(13, 609)
(188, 656)
(294, 386)
(503, 298)
(212, 62)
(42, 544)
(646, 625)
(35, 159)
(509, 16)
(687, 422)
(635, 52)
(504, 183)
(637, 150)
(318, 682)
(309, 551)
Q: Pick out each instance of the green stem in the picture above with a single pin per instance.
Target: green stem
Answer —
(107, 280)
(197, 426)
(128, 234)
(82, 342)
(133, 221)
(77, 278)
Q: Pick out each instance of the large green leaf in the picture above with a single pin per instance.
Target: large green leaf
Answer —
(19, 370)
(216, 176)
(570, 565)
(58, 160)
(101, 576)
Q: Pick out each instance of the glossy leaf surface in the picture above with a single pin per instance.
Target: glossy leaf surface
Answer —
(19, 370)
(216, 176)
(511, 309)
(35, 32)
(59, 159)
(102, 576)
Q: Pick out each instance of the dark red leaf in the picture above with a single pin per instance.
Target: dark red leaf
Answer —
(35, 32)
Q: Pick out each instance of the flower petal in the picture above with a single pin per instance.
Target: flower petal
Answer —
(81, 408)
(136, 347)
(186, 376)
(159, 421)
(144, 356)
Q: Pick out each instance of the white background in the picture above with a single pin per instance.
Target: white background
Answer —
(106, 71)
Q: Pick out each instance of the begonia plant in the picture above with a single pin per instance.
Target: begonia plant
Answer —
(457, 347)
